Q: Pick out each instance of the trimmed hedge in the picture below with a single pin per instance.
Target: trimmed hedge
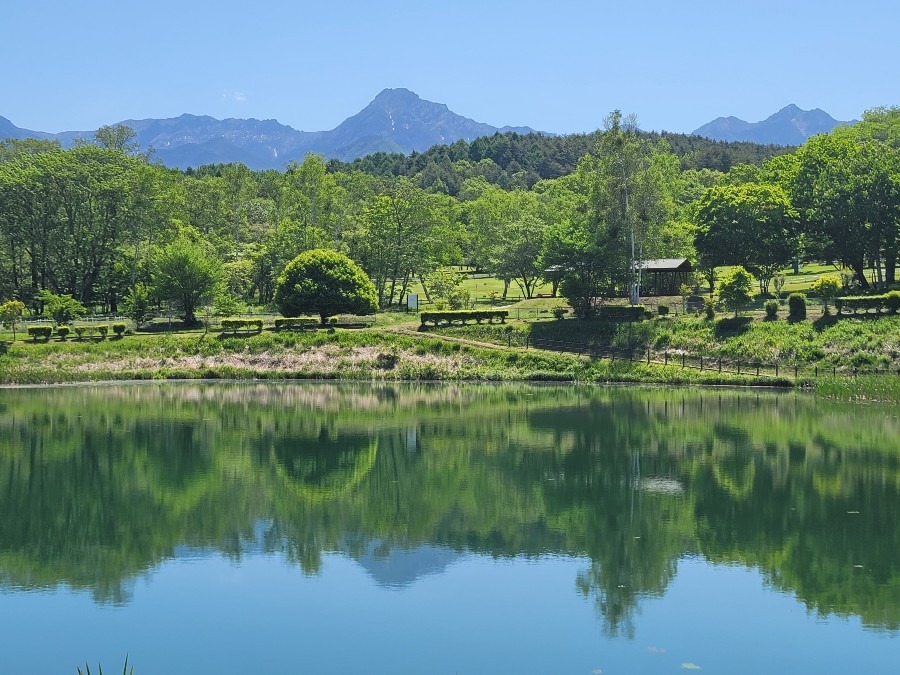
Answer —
(118, 329)
(63, 331)
(234, 325)
(294, 323)
(624, 312)
(864, 303)
(463, 316)
(797, 306)
(40, 332)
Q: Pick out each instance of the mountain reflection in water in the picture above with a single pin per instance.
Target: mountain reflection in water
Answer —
(106, 483)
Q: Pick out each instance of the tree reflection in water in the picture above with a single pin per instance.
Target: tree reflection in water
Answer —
(99, 485)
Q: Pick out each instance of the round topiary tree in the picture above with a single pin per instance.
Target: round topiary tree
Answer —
(325, 283)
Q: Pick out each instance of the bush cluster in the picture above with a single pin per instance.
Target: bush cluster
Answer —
(771, 309)
(857, 303)
(118, 329)
(463, 316)
(294, 323)
(43, 332)
(234, 325)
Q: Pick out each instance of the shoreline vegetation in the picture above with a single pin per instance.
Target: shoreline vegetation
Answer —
(852, 358)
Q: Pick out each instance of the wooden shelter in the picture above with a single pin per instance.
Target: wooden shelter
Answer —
(664, 276)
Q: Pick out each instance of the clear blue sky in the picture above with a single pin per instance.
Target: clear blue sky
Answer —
(556, 66)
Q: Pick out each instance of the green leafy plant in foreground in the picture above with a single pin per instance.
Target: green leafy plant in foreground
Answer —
(87, 669)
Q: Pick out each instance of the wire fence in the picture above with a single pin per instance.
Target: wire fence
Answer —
(711, 363)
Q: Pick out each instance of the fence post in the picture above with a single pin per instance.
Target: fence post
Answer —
(701, 364)
(816, 372)
(682, 359)
(648, 356)
(796, 368)
(739, 368)
(776, 369)
(720, 364)
(666, 358)
(757, 368)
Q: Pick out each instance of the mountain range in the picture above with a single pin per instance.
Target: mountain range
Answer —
(396, 121)
(789, 126)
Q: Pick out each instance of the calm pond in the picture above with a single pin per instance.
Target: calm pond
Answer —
(317, 528)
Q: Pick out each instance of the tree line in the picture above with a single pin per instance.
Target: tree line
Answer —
(107, 228)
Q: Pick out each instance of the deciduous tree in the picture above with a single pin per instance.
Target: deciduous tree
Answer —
(752, 225)
(736, 290)
(11, 313)
(186, 274)
(326, 283)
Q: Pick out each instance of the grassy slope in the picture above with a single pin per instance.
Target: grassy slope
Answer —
(360, 355)
(826, 342)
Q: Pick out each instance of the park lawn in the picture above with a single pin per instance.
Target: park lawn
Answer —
(480, 288)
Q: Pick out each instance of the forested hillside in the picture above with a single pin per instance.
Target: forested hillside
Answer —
(520, 160)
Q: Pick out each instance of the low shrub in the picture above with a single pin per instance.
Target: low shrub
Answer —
(797, 306)
(102, 330)
(463, 316)
(234, 325)
(63, 332)
(79, 331)
(662, 310)
(892, 301)
(40, 332)
(118, 329)
(560, 312)
(771, 307)
(709, 307)
(863, 303)
(296, 323)
(386, 361)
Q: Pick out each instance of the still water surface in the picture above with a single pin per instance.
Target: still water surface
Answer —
(312, 528)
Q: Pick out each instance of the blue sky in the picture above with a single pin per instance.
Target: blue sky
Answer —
(556, 66)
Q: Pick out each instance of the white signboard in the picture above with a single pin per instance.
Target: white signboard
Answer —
(412, 301)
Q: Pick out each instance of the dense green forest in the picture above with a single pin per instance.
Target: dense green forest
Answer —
(108, 227)
(521, 160)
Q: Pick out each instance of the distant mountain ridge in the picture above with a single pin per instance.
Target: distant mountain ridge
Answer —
(397, 120)
(789, 126)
